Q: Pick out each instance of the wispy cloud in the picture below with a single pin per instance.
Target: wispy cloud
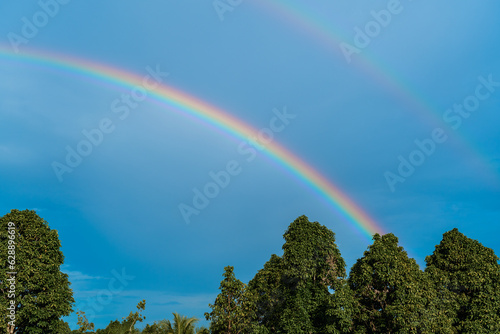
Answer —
(79, 276)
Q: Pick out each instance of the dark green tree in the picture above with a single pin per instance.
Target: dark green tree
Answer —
(201, 330)
(117, 327)
(467, 276)
(267, 289)
(42, 291)
(232, 311)
(393, 295)
(341, 309)
(63, 327)
(158, 327)
(304, 291)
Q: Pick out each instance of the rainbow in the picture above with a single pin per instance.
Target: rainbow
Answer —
(190, 106)
(331, 37)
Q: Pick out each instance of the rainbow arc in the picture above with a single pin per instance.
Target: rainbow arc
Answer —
(179, 101)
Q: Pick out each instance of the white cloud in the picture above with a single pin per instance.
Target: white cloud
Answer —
(79, 276)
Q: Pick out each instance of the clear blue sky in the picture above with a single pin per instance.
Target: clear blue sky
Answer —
(119, 208)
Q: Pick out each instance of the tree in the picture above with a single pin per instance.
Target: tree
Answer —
(63, 327)
(42, 292)
(181, 325)
(83, 323)
(341, 309)
(467, 276)
(117, 327)
(266, 287)
(132, 318)
(158, 327)
(293, 291)
(393, 295)
(201, 330)
(231, 311)
(313, 265)
(128, 323)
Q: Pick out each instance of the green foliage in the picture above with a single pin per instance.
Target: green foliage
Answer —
(292, 292)
(158, 327)
(310, 254)
(393, 295)
(135, 317)
(128, 323)
(340, 309)
(43, 292)
(467, 277)
(303, 291)
(117, 327)
(83, 323)
(232, 310)
(201, 330)
(63, 327)
(266, 286)
(181, 325)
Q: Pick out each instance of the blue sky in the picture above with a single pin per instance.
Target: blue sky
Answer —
(117, 213)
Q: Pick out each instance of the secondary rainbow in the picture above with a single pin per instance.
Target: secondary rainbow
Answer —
(186, 104)
(331, 37)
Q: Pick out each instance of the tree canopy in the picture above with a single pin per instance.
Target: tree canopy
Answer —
(231, 311)
(293, 291)
(305, 290)
(467, 276)
(42, 292)
(393, 295)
